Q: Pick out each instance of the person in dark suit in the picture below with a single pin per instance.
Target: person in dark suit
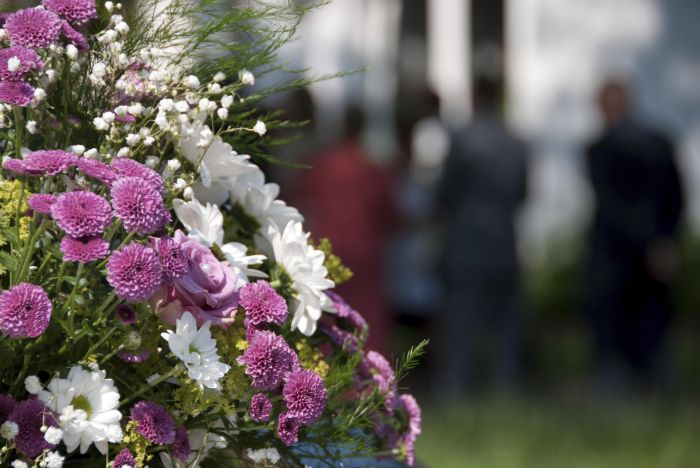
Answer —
(638, 205)
(482, 187)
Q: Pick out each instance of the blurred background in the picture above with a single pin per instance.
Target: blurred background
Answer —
(517, 180)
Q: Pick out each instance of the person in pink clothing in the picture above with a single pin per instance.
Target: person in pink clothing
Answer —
(348, 199)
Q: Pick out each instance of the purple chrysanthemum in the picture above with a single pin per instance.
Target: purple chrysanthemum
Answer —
(138, 205)
(17, 93)
(376, 367)
(126, 314)
(346, 312)
(124, 459)
(98, 170)
(172, 259)
(33, 27)
(28, 61)
(75, 11)
(181, 447)
(153, 422)
(126, 167)
(7, 405)
(41, 202)
(288, 428)
(84, 250)
(134, 357)
(413, 414)
(30, 415)
(49, 162)
(134, 272)
(25, 311)
(305, 395)
(268, 359)
(262, 304)
(260, 408)
(74, 36)
(82, 213)
(15, 166)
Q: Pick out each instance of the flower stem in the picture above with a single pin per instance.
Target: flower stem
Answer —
(175, 370)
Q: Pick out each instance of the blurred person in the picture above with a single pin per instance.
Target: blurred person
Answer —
(348, 198)
(482, 187)
(638, 205)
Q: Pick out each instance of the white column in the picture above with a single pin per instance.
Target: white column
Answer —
(449, 63)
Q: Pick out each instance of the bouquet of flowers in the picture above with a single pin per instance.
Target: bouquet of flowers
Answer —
(159, 304)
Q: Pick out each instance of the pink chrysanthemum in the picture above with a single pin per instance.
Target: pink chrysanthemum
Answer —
(28, 61)
(25, 311)
(49, 162)
(16, 93)
(76, 11)
(73, 36)
(172, 259)
(82, 213)
(262, 304)
(346, 312)
(376, 367)
(41, 202)
(305, 395)
(181, 447)
(288, 429)
(268, 359)
(33, 27)
(85, 250)
(126, 167)
(153, 422)
(15, 166)
(30, 415)
(413, 414)
(138, 205)
(124, 459)
(134, 357)
(260, 408)
(7, 405)
(98, 170)
(126, 314)
(134, 272)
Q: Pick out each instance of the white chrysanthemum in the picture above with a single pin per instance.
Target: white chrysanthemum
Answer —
(260, 201)
(216, 160)
(205, 224)
(304, 265)
(197, 350)
(87, 403)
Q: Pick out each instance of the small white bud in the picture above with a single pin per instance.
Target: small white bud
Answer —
(219, 77)
(9, 430)
(100, 124)
(226, 101)
(222, 113)
(203, 104)
(31, 126)
(3, 34)
(109, 117)
(123, 152)
(77, 149)
(109, 6)
(50, 74)
(122, 28)
(91, 153)
(39, 94)
(215, 88)
(99, 70)
(174, 165)
(165, 104)
(192, 82)
(182, 106)
(148, 141)
(136, 109)
(152, 161)
(180, 184)
(53, 435)
(132, 139)
(260, 128)
(247, 78)
(71, 52)
(188, 193)
(13, 64)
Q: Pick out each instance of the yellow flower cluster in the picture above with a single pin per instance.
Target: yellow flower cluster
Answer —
(337, 271)
(136, 443)
(311, 358)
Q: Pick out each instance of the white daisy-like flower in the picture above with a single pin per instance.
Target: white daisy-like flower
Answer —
(87, 403)
(259, 200)
(205, 224)
(197, 350)
(304, 265)
(216, 160)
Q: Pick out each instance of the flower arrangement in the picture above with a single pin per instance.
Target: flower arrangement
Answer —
(159, 304)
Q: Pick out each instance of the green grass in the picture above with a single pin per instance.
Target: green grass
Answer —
(557, 434)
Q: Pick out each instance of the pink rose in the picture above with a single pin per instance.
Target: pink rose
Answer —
(209, 289)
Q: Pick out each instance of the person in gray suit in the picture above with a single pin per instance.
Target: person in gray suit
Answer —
(483, 184)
